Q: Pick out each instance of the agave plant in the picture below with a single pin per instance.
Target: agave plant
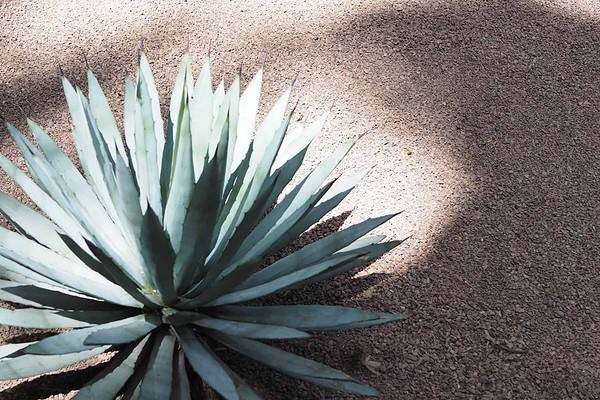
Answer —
(152, 252)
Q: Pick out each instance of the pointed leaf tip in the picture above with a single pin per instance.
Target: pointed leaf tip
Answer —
(85, 59)
(295, 79)
(295, 106)
(395, 317)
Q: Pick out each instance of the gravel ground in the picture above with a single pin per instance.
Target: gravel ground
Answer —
(484, 121)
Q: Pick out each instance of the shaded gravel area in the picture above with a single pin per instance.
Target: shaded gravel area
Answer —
(484, 122)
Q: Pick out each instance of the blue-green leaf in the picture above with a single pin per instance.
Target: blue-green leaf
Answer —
(46, 319)
(201, 118)
(306, 317)
(294, 365)
(87, 208)
(73, 341)
(199, 224)
(50, 207)
(107, 384)
(151, 135)
(368, 254)
(181, 383)
(280, 283)
(12, 348)
(146, 74)
(56, 267)
(182, 183)
(104, 117)
(84, 137)
(290, 210)
(250, 330)
(125, 331)
(31, 365)
(159, 256)
(207, 364)
(315, 251)
(156, 384)
(248, 107)
(42, 297)
(32, 224)
(13, 271)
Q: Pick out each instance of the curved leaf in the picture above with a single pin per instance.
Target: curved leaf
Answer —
(104, 117)
(159, 256)
(32, 224)
(181, 383)
(107, 384)
(280, 283)
(206, 364)
(31, 365)
(307, 317)
(12, 348)
(42, 319)
(293, 365)
(61, 269)
(250, 330)
(315, 251)
(125, 331)
(156, 384)
(76, 340)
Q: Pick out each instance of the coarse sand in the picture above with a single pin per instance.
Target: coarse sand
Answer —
(483, 125)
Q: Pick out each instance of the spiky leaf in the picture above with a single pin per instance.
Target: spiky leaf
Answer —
(152, 248)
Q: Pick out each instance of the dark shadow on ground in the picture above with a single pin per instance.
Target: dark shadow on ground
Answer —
(506, 304)
(49, 385)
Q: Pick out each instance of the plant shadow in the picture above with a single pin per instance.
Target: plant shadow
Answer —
(49, 385)
(505, 302)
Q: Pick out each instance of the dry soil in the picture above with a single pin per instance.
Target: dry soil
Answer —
(484, 128)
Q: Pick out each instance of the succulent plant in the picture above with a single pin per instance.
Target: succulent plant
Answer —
(154, 251)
